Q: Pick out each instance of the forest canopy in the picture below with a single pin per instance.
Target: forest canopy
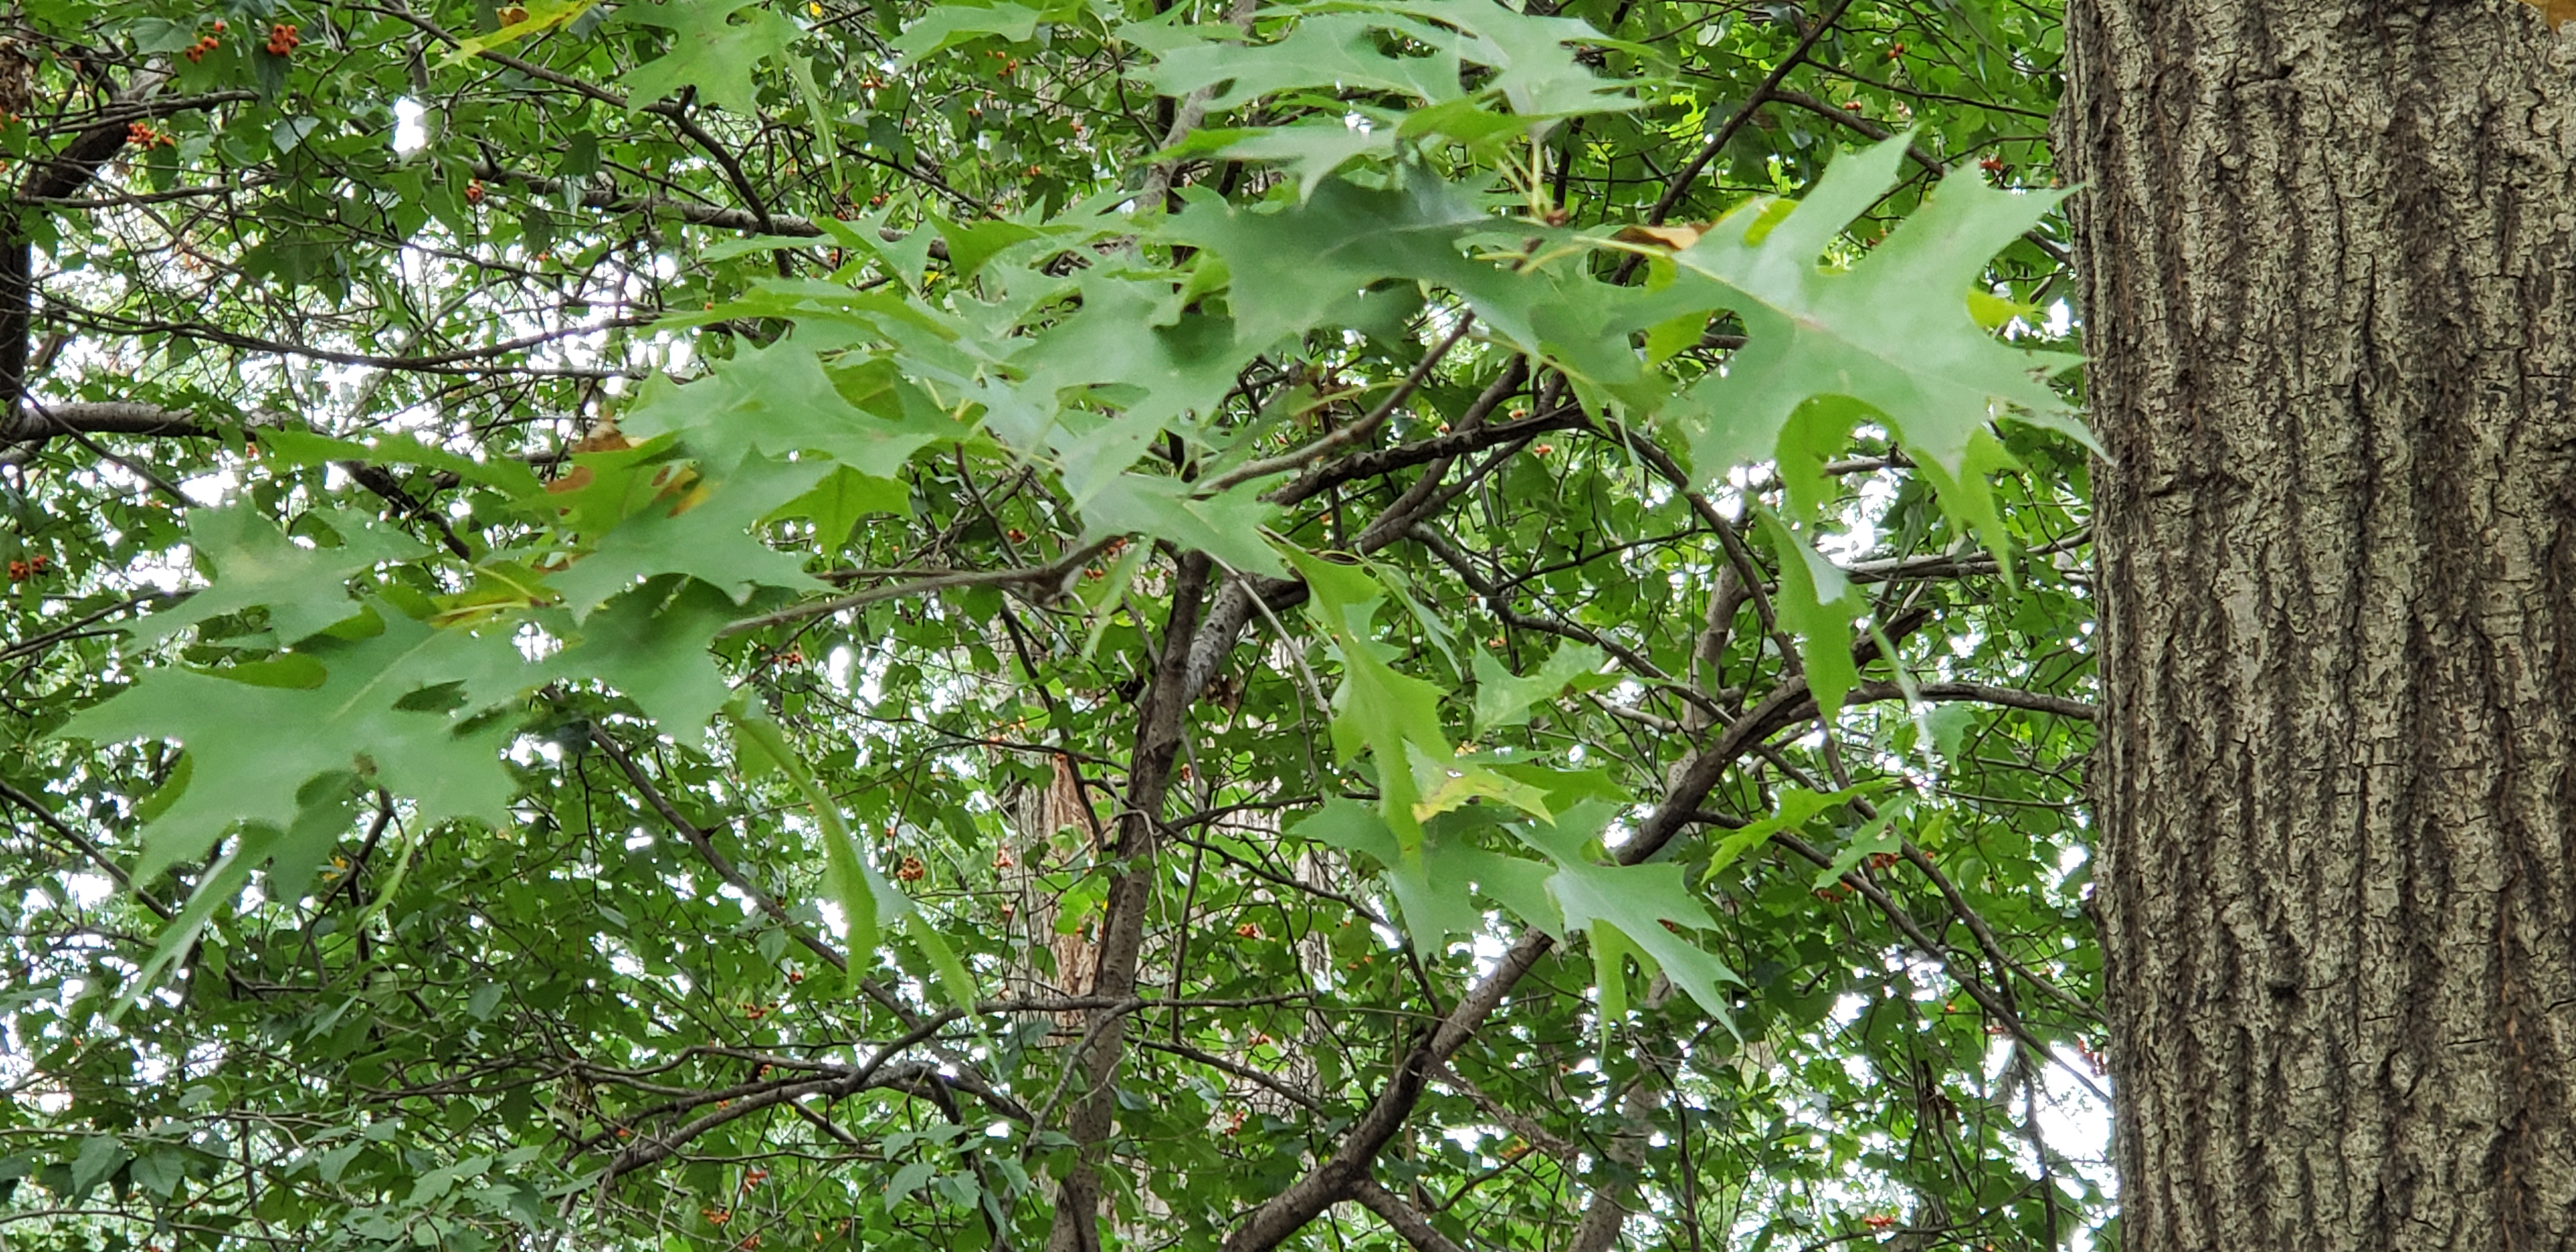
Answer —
(737, 624)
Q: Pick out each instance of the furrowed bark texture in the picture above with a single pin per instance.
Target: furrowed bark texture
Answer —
(2329, 259)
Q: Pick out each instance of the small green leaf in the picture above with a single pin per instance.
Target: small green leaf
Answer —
(1818, 604)
(99, 1156)
(852, 882)
(1504, 700)
(912, 1177)
(1797, 807)
(1226, 526)
(944, 26)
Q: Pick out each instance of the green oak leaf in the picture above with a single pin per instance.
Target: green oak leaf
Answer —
(252, 748)
(1636, 899)
(1226, 526)
(1435, 896)
(1157, 364)
(706, 532)
(779, 400)
(1894, 331)
(297, 447)
(1294, 267)
(1505, 700)
(1378, 710)
(1534, 68)
(649, 643)
(709, 50)
(945, 26)
(845, 495)
(1297, 266)
(253, 564)
(1310, 151)
(1794, 807)
(1335, 50)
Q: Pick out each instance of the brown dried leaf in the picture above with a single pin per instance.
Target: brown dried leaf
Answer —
(1673, 237)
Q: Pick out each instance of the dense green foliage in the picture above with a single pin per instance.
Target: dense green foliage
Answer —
(729, 624)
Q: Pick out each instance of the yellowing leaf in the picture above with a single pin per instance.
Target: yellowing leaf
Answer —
(542, 16)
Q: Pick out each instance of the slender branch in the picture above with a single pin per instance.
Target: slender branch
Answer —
(1048, 581)
(87, 847)
(1679, 184)
(1159, 724)
(1973, 693)
(1976, 988)
(1356, 431)
(1406, 1220)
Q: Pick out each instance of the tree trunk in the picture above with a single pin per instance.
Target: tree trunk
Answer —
(2329, 260)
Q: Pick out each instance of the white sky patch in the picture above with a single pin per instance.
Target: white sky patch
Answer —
(410, 135)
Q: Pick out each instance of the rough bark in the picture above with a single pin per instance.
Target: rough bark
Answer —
(2329, 265)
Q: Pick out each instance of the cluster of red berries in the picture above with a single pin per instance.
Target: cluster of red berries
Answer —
(911, 870)
(142, 135)
(33, 567)
(1879, 1221)
(1010, 64)
(1992, 165)
(1247, 931)
(716, 1217)
(1882, 860)
(474, 191)
(755, 1177)
(754, 1012)
(282, 39)
(197, 51)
